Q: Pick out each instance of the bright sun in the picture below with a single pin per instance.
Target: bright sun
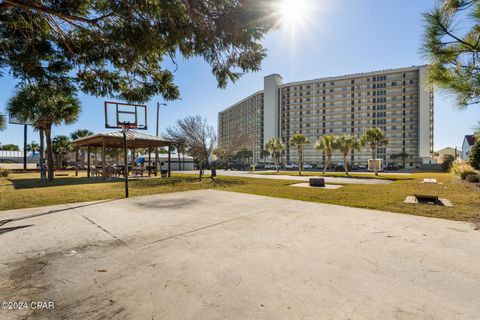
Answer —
(294, 12)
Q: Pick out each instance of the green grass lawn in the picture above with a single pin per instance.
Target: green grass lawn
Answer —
(25, 190)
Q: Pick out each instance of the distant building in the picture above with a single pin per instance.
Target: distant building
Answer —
(438, 155)
(467, 145)
(398, 101)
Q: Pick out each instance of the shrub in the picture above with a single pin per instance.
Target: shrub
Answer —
(4, 173)
(462, 169)
(474, 155)
(447, 162)
(473, 177)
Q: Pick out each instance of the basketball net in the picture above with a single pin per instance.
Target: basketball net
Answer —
(129, 130)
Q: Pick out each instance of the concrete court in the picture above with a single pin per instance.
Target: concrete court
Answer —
(333, 180)
(220, 255)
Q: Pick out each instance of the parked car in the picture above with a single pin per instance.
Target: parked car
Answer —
(289, 166)
(391, 166)
(236, 165)
(340, 167)
(307, 166)
(362, 167)
(259, 165)
(269, 166)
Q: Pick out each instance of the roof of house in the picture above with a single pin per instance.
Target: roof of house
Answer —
(470, 139)
(447, 149)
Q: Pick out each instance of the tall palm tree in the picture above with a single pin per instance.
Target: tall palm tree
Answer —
(77, 134)
(45, 105)
(276, 147)
(375, 138)
(298, 140)
(3, 122)
(345, 144)
(326, 143)
(61, 145)
(33, 147)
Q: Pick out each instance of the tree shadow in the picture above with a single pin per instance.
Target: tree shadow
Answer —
(166, 203)
(28, 183)
(72, 207)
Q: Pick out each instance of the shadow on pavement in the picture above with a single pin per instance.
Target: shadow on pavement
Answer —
(5, 221)
(5, 230)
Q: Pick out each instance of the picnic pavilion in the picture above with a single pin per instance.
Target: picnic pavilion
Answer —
(106, 140)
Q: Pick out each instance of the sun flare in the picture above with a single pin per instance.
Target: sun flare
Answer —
(294, 12)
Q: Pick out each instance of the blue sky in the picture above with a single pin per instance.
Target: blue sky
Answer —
(339, 37)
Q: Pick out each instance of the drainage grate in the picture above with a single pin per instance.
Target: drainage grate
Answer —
(428, 199)
(425, 199)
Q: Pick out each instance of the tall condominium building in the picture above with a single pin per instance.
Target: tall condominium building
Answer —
(398, 101)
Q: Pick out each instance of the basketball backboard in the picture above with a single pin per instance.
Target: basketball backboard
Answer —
(119, 115)
(14, 120)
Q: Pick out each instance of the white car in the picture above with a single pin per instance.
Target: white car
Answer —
(290, 166)
(307, 166)
(269, 166)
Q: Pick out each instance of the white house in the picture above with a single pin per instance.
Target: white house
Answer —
(467, 145)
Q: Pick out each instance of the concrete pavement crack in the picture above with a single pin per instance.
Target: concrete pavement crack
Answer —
(100, 227)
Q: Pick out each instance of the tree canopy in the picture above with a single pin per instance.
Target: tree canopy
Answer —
(9, 147)
(474, 155)
(452, 44)
(3, 122)
(129, 49)
(45, 105)
(198, 136)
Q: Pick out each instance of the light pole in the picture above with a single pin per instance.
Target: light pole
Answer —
(156, 149)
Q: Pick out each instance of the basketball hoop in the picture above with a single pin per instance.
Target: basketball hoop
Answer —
(129, 129)
(129, 118)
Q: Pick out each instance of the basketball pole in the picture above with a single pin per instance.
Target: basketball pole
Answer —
(156, 148)
(125, 158)
(25, 147)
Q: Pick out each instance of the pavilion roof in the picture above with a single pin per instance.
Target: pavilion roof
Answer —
(114, 139)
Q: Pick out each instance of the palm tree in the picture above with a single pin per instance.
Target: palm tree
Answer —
(299, 140)
(77, 134)
(33, 147)
(276, 147)
(80, 133)
(345, 144)
(3, 122)
(45, 105)
(375, 138)
(61, 145)
(326, 144)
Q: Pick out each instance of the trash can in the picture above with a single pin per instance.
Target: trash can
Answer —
(164, 173)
